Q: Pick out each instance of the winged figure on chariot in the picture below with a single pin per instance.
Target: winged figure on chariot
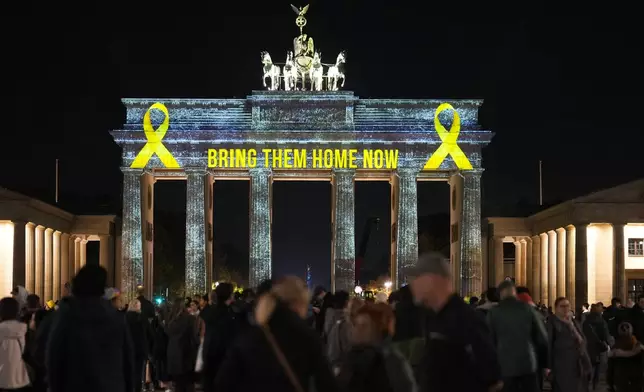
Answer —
(303, 67)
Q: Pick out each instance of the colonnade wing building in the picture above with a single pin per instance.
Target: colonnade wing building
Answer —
(42, 246)
(191, 133)
(589, 249)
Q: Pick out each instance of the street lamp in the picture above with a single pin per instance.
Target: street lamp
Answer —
(388, 285)
(358, 290)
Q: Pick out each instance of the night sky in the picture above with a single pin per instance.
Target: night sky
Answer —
(559, 86)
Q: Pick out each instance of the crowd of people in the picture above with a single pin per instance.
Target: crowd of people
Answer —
(281, 337)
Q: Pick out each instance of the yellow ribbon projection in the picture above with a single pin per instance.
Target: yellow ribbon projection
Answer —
(154, 145)
(449, 146)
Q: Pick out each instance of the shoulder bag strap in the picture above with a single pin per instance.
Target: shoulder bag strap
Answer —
(282, 359)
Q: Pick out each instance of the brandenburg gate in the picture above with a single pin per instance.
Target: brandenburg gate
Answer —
(302, 128)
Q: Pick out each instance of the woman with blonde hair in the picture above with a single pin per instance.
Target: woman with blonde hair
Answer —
(339, 338)
(281, 350)
(140, 332)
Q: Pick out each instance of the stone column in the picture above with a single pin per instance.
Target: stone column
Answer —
(394, 184)
(619, 265)
(570, 264)
(49, 264)
(529, 282)
(131, 244)
(209, 210)
(581, 265)
(471, 246)
(19, 253)
(552, 267)
(407, 223)
(104, 253)
(259, 216)
(65, 275)
(535, 289)
(524, 256)
(30, 257)
(343, 223)
(147, 233)
(83, 253)
(40, 262)
(544, 269)
(55, 259)
(456, 228)
(77, 255)
(561, 262)
(498, 261)
(196, 240)
(517, 262)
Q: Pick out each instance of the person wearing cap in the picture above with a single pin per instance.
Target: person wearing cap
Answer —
(520, 338)
(459, 353)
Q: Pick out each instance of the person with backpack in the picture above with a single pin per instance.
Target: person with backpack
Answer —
(373, 364)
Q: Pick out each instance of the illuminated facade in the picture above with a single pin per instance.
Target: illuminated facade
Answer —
(341, 139)
(299, 120)
(42, 247)
(588, 249)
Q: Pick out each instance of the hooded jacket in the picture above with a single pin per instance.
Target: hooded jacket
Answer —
(89, 348)
(13, 372)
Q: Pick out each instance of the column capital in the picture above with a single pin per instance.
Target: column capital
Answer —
(476, 172)
(131, 171)
(57, 233)
(48, 230)
(337, 171)
(524, 240)
(30, 225)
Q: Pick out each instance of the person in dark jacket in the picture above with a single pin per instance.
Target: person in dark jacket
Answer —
(221, 330)
(408, 337)
(183, 343)
(281, 344)
(598, 339)
(613, 315)
(147, 307)
(459, 351)
(139, 328)
(89, 346)
(636, 318)
(521, 340)
(372, 363)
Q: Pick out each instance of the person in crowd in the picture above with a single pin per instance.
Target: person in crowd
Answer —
(139, 328)
(635, 316)
(520, 338)
(408, 337)
(147, 307)
(221, 330)
(613, 315)
(34, 312)
(193, 308)
(381, 297)
(629, 303)
(339, 336)
(204, 302)
(627, 357)
(160, 348)
(336, 312)
(19, 293)
(474, 302)
(393, 299)
(317, 302)
(598, 339)
(14, 375)
(491, 300)
(569, 367)
(183, 343)
(89, 347)
(458, 341)
(281, 350)
(373, 364)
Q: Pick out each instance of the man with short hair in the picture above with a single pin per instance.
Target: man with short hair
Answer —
(89, 347)
(521, 340)
(459, 353)
(147, 308)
